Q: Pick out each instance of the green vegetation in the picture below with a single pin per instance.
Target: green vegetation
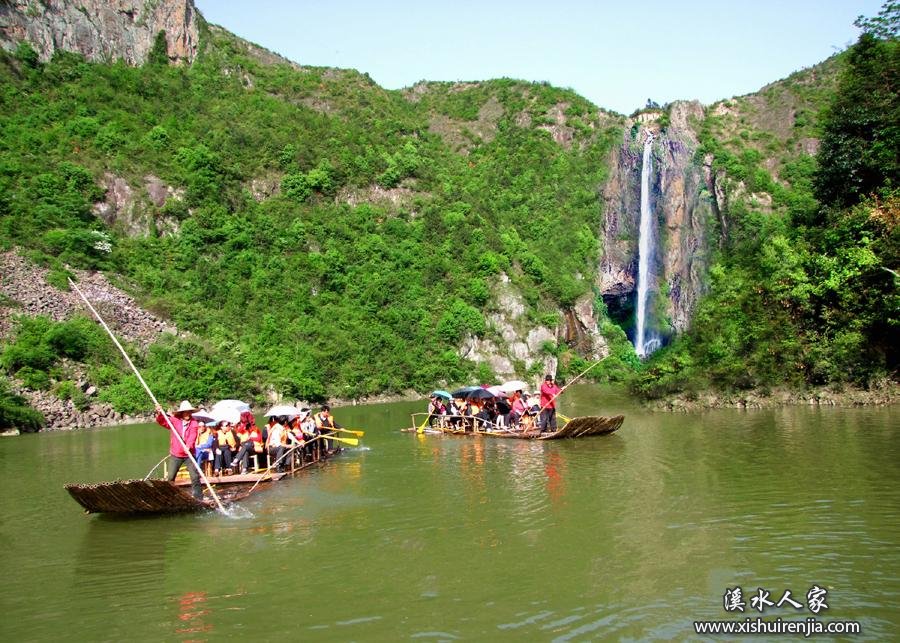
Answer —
(322, 289)
(15, 412)
(385, 218)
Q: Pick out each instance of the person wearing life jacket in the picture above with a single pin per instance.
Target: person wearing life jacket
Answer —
(205, 447)
(227, 443)
(276, 443)
(251, 444)
(186, 429)
(517, 409)
(325, 425)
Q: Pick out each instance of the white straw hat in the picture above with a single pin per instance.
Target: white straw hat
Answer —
(186, 406)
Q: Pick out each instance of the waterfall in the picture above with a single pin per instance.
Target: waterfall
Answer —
(643, 346)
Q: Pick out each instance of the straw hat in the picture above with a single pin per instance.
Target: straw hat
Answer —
(186, 406)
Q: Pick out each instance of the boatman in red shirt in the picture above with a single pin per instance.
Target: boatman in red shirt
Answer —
(549, 392)
(187, 427)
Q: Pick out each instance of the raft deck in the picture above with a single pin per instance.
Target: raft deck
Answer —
(155, 496)
(579, 427)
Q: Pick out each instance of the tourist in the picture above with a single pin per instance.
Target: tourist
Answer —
(184, 436)
(436, 411)
(226, 448)
(203, 451)
(517, 409)
(487, 414)
(325, 425)
(549, 393)
(251, 443)
(308, 427)
(471, 411)
(276, 442)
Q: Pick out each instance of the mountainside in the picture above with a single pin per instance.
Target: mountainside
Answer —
(324, 237)
(315, 236)
(102, 30)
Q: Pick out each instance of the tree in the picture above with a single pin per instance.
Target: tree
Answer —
(886, 25)
(159, 54)
(860, 150)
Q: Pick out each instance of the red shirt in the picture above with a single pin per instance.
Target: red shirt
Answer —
(187, 430)
(549, 391)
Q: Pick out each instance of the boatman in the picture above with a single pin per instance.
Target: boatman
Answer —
(187, 428)
(549, 392)
(324, 422)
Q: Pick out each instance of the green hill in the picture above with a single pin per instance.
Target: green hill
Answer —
(389, 218)
(318, 236)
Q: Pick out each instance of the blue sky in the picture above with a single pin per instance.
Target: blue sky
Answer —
(616, 54)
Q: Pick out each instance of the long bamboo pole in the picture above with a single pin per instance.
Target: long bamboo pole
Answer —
(152, 397)
(575, 379)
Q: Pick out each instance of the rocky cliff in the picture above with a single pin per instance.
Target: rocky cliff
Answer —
(686, 215)
(101, 30)
(24, 290)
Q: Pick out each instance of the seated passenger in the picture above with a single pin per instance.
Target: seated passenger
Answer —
(435, 410)
(251, 444)
(203, 451)
(517, 409)
(473, 408)
(226, 447)
(454, 414)
(276, 443)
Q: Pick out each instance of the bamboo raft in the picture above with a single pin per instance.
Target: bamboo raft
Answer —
(580, 427)
(155, 496)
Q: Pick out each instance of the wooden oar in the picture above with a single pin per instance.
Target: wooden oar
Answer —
(355, 432)
(268, 472)
(351, 441)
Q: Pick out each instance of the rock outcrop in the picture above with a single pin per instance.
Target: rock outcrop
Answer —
(580, 329)
(63, 415)
(683, 202)
(25, 291)
(101, 30)
(136, 212)
(510, 340)
(25, 287)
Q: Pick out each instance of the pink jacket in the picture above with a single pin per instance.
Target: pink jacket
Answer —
(549, 390)
(188, 433)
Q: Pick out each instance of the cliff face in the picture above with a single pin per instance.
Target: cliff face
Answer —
(101, 30)
(684, 213)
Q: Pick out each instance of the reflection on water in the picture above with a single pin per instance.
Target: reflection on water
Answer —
(192, 610)
(631, 535)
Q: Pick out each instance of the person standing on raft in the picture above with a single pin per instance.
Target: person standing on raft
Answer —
(549, 392)
(187, 428)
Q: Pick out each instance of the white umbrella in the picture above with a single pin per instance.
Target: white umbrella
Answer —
(497, 391)
(225, 414)
(203, 416)
(235, 404)
(282, 409)
(513, 385)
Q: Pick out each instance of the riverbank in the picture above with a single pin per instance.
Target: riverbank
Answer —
(62, 415)
(887, 392)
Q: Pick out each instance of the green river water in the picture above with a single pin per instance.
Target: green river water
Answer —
(630, 536)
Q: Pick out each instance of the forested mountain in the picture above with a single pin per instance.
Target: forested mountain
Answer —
(315, 236)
